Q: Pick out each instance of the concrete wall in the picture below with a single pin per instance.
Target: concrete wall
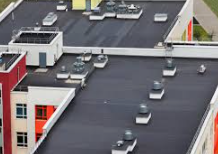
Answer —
(78, 4)
(81, 4)
(53, 119)
(207, 131)
(41, 96)
(61, 108)
(9, 9)
(184, 17)
(179, 51)
(3, 48)
(95, 3)
(53, 50)
(17, 125)
(59, 97)
(206, 137)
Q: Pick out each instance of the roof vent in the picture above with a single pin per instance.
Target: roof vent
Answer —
(169, 63)
(37, 24)
(128, 135)
(143, 109)
(120, 143)
(63, 69)
(202, 69)
(101, 57)
(110, 6)
(122, 8)
(157, 85)
(97, 10)
(78, 66)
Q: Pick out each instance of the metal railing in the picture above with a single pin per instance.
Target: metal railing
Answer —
(198, 130)
(38, 30)
(21, 88)
(34, 40)
(49, 29)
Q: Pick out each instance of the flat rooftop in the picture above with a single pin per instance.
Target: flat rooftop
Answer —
(47, 77)
(6, 60)
(79, 31)
(89, 125)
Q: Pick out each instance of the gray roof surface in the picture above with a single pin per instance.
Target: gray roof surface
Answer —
(48, 78)
(79, 31)
(89, 125)
(8, 59)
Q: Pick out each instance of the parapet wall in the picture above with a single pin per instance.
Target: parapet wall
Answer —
(182, 22)
(179, 51)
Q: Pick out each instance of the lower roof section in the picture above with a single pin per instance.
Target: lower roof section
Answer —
(79, 31)
(41, 77)
(89, 125)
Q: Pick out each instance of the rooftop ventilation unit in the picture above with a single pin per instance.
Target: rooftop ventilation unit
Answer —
(157, 90)
(101, 61)
(120, 143)
(78, 66)
(63, 74)
(129, 11)
(61, 6)
(126, 145)
(202, 69)
(79, 72)
(170, 68)
(144, 114)
(63, 69)
(97, 10)
(111, 5)
(122, 8)
(128, 135)
(160, 17)
(86, 56)
(50, 19)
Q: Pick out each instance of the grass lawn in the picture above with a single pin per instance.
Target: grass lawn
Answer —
(4, 4)
(200, 34)
(213, 4)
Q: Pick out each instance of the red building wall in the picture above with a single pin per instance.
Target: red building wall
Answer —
(40, 123)
(190, 31)
(8, 81)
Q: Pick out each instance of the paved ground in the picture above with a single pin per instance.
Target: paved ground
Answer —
(206, 18)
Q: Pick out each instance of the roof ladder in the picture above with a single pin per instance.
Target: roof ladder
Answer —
(169, 50)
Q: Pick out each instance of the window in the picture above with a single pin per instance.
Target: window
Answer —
(21, 111)
(41, 112)
(21, 139)
(38, 135)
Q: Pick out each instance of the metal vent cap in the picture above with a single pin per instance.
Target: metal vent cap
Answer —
(157, 85)
(143, 109)
(128, 135)
(63, 68)
(169, 63)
